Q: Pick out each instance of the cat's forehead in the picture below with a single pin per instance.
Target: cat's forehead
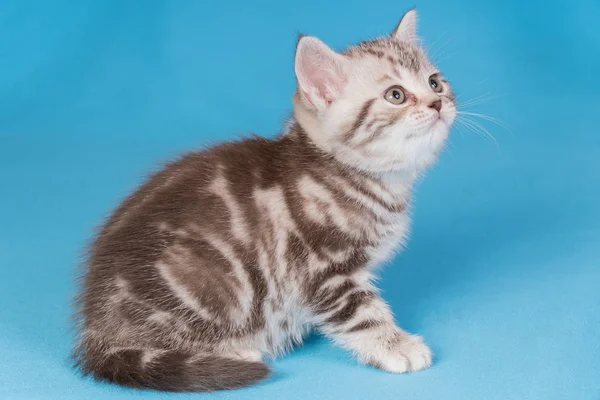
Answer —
(396, 54)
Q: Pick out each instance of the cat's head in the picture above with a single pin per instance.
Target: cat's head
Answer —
(379, 106)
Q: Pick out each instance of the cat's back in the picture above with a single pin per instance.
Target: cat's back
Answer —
(205, 190)
(182, 189)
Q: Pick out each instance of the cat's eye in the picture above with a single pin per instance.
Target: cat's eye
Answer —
(395, 95)
(435, 84)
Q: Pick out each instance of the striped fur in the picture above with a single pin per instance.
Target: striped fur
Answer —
(233, 254)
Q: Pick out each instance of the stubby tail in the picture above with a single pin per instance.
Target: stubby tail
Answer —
(172, 371)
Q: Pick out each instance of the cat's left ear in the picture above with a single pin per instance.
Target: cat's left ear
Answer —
(406, 31)
(321, 72)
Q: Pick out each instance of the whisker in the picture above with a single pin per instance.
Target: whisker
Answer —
(437, 52)
(430, 47)
(445, 57)
(478, 128)
(481, 96)
(463, 128)
(479, 100)
(468, 126)
(459, 96)
(450, 146)
(487, 118)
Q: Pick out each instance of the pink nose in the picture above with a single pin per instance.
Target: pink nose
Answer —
(436, 105)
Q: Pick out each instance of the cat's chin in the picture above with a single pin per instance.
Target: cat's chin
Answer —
(445, 123)
(441, 123)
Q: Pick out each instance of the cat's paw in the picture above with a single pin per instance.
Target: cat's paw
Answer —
(407, 354)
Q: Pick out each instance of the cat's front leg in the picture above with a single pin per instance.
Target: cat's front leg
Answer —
(359, 320)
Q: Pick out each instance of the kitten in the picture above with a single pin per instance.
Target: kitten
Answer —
(233, 254)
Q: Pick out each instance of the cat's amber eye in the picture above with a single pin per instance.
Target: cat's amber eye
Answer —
(395, 95)
(435, 84)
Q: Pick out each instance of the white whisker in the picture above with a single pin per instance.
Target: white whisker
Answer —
(476, 98)
(445, 57)
(438, 52)
(430, 47)
(477, 128)
(479, 100)
(487, 118)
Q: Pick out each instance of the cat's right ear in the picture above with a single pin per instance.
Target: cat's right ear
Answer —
(320, 71)
(407, 27)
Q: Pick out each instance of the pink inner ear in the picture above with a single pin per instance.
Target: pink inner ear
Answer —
(322, 71)
(327, 82)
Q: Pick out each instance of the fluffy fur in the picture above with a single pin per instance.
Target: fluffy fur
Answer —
(233, 254)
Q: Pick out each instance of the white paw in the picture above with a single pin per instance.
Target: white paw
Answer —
(408, 353)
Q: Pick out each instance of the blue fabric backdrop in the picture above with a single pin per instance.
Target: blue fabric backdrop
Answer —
(502, 274)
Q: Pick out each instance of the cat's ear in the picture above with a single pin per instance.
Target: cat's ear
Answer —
(406, 31)
(320, 71)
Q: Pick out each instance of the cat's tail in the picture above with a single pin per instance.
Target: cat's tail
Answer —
(172, 371)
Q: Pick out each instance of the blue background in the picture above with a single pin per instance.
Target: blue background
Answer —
(502, 275)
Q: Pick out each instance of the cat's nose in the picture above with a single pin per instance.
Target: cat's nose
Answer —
(436, 105)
